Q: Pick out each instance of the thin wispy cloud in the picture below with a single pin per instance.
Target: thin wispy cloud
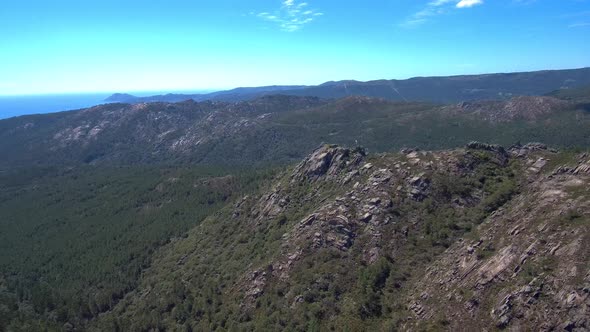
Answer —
(523, 2)
(435, 8)
(293, 15)
(579, 25)
(577, 20)
(585, 13)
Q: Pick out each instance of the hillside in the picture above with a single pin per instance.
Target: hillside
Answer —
(348, 241)
(278, 129)
(237, 94)
(580, 94)
(449, 89)
(74, 241)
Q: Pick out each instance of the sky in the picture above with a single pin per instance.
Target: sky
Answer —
(79, 46)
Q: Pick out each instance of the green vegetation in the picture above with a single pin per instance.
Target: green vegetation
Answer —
(327, 290)
(274, 130)
(75, 241)
(580, 94)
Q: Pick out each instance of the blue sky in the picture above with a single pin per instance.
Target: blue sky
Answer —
(124, 46)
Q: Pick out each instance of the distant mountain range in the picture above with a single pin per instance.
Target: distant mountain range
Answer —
(279, 129)
(237, 94)
(448, 89)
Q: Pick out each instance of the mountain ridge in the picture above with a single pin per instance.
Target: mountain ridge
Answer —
(346, 240)
(437, 89)
(278, 129)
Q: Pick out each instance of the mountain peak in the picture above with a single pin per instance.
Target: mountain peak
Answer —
(120, 97)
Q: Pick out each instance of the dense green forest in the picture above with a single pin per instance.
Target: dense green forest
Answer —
(74, 241)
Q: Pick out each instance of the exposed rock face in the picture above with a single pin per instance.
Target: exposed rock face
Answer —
(523, 150)
(488, 147)
(360, 212)
(418, 187)
(328, 160)
(509, 245)
(529, 263)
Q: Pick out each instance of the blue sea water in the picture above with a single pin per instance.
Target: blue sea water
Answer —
(11, 106)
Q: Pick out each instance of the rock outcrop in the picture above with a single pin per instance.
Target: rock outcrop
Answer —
(527, 267)
(328, 161)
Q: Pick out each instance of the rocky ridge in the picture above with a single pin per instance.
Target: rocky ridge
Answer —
(465, 271)
(277, 129)
(527, 266)
(477, 238)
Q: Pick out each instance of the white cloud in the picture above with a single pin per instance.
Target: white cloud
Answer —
(292, 16)
(468, 3)
(437, 7)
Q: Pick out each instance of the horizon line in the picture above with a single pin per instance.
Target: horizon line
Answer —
(213, 90)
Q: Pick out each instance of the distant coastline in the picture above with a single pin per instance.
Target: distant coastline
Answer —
(11, 106)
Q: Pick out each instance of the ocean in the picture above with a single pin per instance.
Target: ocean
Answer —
(11, 106)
